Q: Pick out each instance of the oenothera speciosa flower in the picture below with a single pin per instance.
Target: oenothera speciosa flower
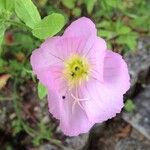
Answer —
(85, 81)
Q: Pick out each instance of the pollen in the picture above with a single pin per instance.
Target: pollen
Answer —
(76, 70)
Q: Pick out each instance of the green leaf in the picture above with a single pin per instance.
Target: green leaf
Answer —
(90, 5)
(129, 105)
(4, 17)
(27, 12)
(76, 12)
(42, 91)
(2, 31)
(120, 28)
(128, 39)
(2, 62)
(49, 26)
(124, 30)
(6, 5)
(114, 3)
(104, 24)
(105, 33)
(141, 22)
(69, 3)
(25, 40)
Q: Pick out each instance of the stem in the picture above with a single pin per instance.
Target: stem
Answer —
(55, 142)
(1, 50)
(18, 113)
(29, 130)
(18, 24)
(15, 101)
(6, 98)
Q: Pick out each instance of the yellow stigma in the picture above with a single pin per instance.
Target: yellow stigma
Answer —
(76, 70)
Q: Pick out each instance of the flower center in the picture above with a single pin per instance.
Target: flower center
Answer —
(76, 70)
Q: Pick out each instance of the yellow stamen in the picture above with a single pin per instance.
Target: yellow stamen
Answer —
(76, 70)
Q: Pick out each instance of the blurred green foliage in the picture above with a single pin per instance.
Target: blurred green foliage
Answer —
(120, 22)
(129, 105)
(42, 91)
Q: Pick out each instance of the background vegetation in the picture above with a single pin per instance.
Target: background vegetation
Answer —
(120, 22)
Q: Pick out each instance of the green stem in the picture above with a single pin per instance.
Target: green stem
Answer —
(6, 98)
(55, 142)
(15, 101)
(18, 24)
(29, 130)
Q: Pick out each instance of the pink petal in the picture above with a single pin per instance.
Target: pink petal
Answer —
(54, 103)
(106, 99)
(96, 55)
(73, 120)
(81, 27)
(54, 51)
(109, 78)
(51, 76)
(57, 88)
(52, 54)
(103, 103)
(46, 55)
(70, 45)
(116, 72)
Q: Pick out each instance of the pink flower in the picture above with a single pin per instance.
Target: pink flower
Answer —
(85, 81)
